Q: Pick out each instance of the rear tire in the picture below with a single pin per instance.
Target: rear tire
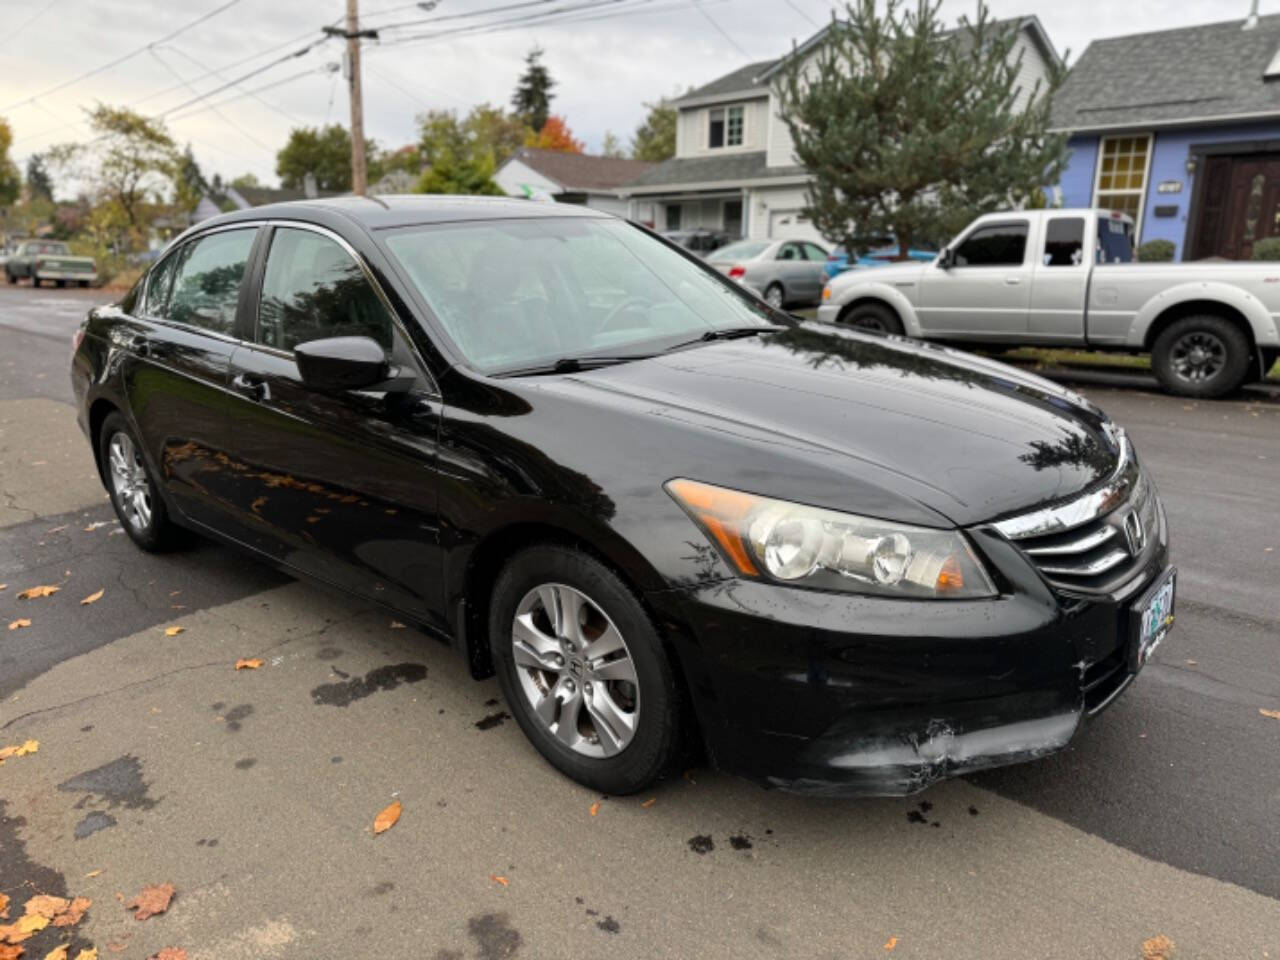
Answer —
(775, 296)
(10, 277)
(35, 281)
(59, 284)
(612, 720)
(1201, 356)
(134, 492)
(872, 317)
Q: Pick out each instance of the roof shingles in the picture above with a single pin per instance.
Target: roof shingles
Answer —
(581, 171)
(729, 168)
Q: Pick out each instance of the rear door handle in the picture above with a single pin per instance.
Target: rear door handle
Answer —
(251, 386)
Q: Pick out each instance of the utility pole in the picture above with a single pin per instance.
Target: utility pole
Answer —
(353, 35)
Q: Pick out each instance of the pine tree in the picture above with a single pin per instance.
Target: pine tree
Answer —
(912, 130)
(39, 183)
(533, 96)
(655, 139)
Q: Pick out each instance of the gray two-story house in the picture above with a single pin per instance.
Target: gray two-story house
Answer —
(735, 168)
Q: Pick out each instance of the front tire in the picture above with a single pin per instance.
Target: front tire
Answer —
(134, 492)
(1201, 356)
(583, 670)
(872, 317)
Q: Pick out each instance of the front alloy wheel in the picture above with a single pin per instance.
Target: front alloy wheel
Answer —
(575, 670)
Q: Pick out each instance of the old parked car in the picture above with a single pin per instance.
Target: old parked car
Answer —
(1068, 278)
(52, 261)
(660, 510)
(784, 272)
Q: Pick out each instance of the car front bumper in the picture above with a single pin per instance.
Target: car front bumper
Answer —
(827, 312)
(73, 276)
(859, 696)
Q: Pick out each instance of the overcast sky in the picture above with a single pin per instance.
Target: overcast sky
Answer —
(606, 67)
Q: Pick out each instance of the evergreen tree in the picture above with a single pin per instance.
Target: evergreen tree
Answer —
(912, 130)
(39, 183)
(655, 139)
(533, 96)
(188, 182)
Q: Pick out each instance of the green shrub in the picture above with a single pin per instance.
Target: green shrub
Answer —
(1156, 251)
(1268, 249)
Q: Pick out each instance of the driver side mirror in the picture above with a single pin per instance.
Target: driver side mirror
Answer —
(335, 364)
(947, 259)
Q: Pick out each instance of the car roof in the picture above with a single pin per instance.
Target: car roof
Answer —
(382, 212)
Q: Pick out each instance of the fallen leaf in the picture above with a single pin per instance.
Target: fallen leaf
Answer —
(153, 899)
(46, 906)
(397, 625)
(92, 598)
(387, 818)
(90, 954)
(1273, 714)
(4, 906)
(893, 942)
(27, 925)
(57, 953)
(57, 529)
(1157, 948)
(1191, 663)
(10, 953)
(649, 803)
(30, 746)
(74, 912)
(174, 631)
(4, 586)
(92, 873)
(33, 593)
(252, 664)
(594, 809)
(494, 878)
(169, 953)
(19, 623)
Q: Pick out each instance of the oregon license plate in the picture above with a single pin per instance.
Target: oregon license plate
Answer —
(1152, 617)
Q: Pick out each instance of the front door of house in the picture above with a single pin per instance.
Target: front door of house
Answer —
(1240, 205)
(733, 218)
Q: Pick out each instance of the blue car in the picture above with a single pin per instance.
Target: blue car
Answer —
(884, 251)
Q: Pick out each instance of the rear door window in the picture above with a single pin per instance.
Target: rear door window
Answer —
(313, 289)
(994, 245)
(814, 252)
(1064, 242)
(206, 282)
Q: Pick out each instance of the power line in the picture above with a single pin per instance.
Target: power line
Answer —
(721, 30)
(460, 16)
(241, 96)
(482, 28)
(119, 60)
(794, 6)
(30, 20)
(222, 76)
(240, 79)
(225, 119)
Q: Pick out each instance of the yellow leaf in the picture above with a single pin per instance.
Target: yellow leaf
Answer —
(4, 905)
(92, 598)
(649, 803)
(90, 954)
(893, 942)
(32, 923)
(30, 746)
(57, 953)
(173, 631)
(19, 623)
(251, 664)
(594, 808)
(92, 873)
(1273, 714)
(32, 593)
(387, 818)
(494, 878)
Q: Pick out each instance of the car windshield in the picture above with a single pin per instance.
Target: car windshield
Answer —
(518, 294)
(743, 250)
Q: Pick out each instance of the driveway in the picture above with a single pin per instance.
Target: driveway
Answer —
(254, 791)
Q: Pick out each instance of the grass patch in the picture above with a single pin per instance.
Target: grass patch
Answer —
(1090, 360)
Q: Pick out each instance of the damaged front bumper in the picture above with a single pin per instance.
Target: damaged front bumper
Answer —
(857, 696)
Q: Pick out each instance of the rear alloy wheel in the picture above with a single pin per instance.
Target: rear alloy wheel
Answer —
(775, 296)
(1201, 356)
(873, 317)
(583, 670)
(133, 492)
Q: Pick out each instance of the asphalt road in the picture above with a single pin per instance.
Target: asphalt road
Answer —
(254, 791)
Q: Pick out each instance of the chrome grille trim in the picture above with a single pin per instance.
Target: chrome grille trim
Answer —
(1090, 568)
(1086, 541)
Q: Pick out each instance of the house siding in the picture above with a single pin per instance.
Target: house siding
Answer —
(1034, 70)
(692, 130)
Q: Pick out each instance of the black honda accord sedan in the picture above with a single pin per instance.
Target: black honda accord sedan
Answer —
(661, 511)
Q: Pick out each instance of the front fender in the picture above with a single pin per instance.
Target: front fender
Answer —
(1265, 331)
(886, 293)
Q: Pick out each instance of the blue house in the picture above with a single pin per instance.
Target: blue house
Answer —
(1180, 129)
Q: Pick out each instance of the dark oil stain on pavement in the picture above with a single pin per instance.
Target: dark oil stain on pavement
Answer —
(492, 720)
(381, 679)
(23, 878)
(494, 936)
(973, 811)
(740, 841)
(328, 653)
(246, 763)
(119, 783)
(609, 925)
(94, 821)
(380, 888)
(702, 843)
(235, 715)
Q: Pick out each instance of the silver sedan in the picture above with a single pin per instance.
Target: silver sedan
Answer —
(781, 271)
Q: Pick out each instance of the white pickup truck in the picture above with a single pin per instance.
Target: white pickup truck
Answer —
(1068, 278)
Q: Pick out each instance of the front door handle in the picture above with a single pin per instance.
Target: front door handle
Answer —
(141, 346)
(251, 386)
(1012, 281)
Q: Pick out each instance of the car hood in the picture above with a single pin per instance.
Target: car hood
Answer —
(885, 273)
(882, 426)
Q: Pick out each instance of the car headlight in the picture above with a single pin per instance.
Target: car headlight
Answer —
(766, 539)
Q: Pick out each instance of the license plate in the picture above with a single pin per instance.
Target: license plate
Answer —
(1152, 617)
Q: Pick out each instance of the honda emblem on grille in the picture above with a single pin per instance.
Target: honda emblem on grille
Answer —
(1135, 536)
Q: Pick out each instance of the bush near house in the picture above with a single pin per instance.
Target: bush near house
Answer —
(1156, 251)
(1268, 249)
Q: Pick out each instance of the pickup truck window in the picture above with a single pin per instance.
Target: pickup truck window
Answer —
(994, 245)
(1115, 241)
(1064, 242)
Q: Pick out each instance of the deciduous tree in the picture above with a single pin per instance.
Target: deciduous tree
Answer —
(554, 135)
(324, 152)
(10, 180)
(612, 146)
(912, 130)
(655, 139)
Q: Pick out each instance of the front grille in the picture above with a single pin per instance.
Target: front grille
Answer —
(1095, 544)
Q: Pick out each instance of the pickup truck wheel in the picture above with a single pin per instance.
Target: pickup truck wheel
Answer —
(1201, 356)
(35, 281)
(872, 316)
(10, 277)
(59, 284)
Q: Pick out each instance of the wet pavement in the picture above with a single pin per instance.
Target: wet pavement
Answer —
(254, 791)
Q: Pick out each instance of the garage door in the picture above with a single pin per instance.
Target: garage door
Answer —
(792, 225)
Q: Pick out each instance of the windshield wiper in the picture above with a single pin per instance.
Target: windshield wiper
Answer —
(574, 365)
(727, 333)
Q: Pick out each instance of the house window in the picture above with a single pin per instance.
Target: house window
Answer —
(725, 127)
(1122, 175)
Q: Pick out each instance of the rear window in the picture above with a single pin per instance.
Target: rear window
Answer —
(743, 250)
(1115, 241)
(1064, 242)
